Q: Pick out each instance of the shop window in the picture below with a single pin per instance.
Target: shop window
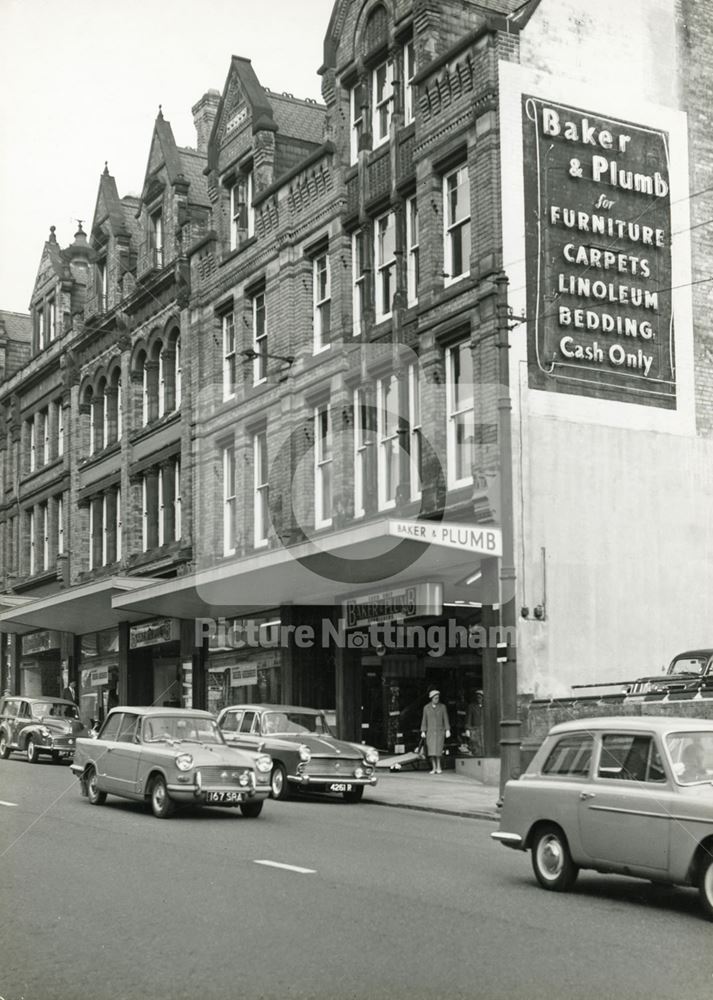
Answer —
(460, 416)
(456, 215)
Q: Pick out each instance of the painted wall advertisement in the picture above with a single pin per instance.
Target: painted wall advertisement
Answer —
(598, 244)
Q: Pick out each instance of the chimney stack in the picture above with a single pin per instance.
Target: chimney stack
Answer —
(204, 113)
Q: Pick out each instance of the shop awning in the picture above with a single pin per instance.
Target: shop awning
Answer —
(80, 609)
(363, 558)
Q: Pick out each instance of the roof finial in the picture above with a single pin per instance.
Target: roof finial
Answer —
(106, 167)
(53, 238)
(79, 224)
(160, 112)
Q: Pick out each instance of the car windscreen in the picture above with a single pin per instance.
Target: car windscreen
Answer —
(691, 755)
(288, 723)
(180, 729)
(41, 709)
(688, 665)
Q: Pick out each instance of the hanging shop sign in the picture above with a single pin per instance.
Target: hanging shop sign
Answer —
(244, 675)
(598, 247)
(95, 677)
(396, 604)
(153, 633)
(475, 538)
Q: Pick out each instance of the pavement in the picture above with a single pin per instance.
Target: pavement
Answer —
(448, 792)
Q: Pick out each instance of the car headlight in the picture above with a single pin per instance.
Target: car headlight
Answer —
(263, 763)
(372, 756)
(44, 731)
(184, 762)
(305, 753)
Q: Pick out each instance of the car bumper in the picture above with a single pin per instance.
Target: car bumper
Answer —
(513, 840)
(321, 780)
(199, 794)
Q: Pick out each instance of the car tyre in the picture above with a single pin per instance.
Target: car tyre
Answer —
(31, 751)
(95, 797)
(162, 806)
(4, 748)
(705, 886)
(251, 809)
(355, 795)
(551, 861)
(279, 785)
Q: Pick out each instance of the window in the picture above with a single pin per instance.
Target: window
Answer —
(630, 757)
(361, 457)
(229, 500)
(59, 424)
(177, 511)
(385, 261)
(169, 500)
(359, 258)
(177, 372)
(259, 338)
(52, 319)
(33, 545)
(357, 100)
(321, 302)
(150, 506)
(41, 327)
(412, 273)
(145, 407)
(60, 525)
(237, 211)
(414, 420)
(387, 435)
(44, 546)
(33, 445)
(570, 756)
(383, 91)
(162, 387)
(323, 466)
(459, 397)
(260, 495)
(44, 435)
(409, 71)
(229, 356)
(117, 514)
(156, 237)
(102, 285)
(456, 195)
(249, 210)
(242, 213)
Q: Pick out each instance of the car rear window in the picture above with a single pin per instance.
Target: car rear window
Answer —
(571, 755)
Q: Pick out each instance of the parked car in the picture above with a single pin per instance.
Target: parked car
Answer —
(39, 727)
(629, 796)
(168, 756)
(305, 754)
(688, 671)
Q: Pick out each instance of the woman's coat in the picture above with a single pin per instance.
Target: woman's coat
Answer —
(434, 723)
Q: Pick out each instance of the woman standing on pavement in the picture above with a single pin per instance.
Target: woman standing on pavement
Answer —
(435, 729)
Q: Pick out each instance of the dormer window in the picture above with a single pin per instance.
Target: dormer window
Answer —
(40, 328)
(242, 214)
(51, 320)
(102, 284)
(156, 234)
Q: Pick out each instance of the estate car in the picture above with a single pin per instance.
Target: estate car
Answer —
(629, 796)
(39, 727)
(169, 756)
(305, 754)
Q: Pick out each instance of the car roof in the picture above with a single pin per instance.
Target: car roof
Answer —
(645, 723)
(160, 711)
(265, 707)
(39, 701)
(693, 652)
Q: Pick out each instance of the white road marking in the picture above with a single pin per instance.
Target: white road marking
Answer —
(289, 868)
(12, 804)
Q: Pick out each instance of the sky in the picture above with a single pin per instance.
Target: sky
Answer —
(80, 85)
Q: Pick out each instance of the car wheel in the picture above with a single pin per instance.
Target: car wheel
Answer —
(162, 806)
(31, 751)
(96, 797)
(279, 785)
(251, 809)
(355, 795)
(551, 861)
(705, 886)
(4, 748)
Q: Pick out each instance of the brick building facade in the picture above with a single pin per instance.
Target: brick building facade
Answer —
(284, 354)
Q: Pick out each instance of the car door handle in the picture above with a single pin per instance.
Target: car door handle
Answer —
(586, 795)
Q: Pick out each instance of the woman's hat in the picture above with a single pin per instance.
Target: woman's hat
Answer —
(433, 691)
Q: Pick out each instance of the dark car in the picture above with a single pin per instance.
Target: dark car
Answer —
(166, 757)
(688, 671)
(305, 754)
(39, 726)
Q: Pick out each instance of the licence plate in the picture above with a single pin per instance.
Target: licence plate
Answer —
(223, 797)
(339, 786)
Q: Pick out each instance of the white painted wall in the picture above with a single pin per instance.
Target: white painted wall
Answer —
(619, 495)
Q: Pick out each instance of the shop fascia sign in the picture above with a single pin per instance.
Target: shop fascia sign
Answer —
(244, 675)
(153, 633)
(396, 604)
(476, 539)
(40, 642)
